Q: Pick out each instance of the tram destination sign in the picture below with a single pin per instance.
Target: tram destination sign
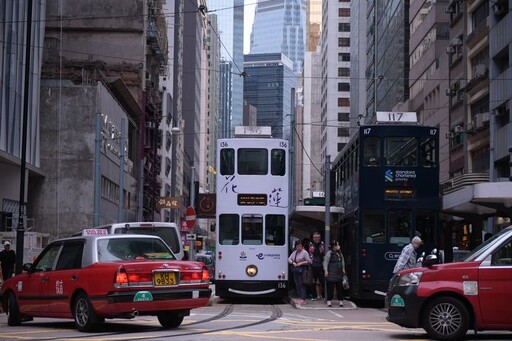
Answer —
(252, 199)
(394, 193)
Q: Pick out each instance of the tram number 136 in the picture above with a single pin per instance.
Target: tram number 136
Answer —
(281, 285)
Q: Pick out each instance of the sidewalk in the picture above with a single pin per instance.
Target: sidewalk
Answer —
(321, 304)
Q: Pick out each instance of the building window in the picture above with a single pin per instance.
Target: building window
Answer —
(343, 57)
(343, 132)
(341, 146)
(344, 12)
(343, 42)
(343, 102)
(343, 27)
(343, 72)
(343, 117)
(343, 87)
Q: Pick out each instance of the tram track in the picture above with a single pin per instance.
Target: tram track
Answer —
(276, 313)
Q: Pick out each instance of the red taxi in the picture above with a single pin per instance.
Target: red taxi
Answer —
(93, 277)
(448, 299)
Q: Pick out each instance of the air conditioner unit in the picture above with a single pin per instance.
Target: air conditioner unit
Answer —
(150, 125)
(477, 121)
(485, 117)
(480, 70)
(456, 42)
(499, 9)
(450, 50)
(458, 129)
(450, 135)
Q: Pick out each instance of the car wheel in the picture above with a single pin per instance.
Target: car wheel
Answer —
(83, 312)
(446, 318)
(170, 319)
(14, 317)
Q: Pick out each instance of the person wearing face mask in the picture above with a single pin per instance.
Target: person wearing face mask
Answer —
(334, 269)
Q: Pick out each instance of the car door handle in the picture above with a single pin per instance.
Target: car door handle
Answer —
(74, 278)
(486, 288)
(44, 279)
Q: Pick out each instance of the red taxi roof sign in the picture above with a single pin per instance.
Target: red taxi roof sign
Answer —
(94, 232)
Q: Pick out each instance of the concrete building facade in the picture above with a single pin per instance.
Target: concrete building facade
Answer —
(335, 88)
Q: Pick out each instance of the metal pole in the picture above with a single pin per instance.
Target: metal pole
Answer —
(192, 194)
(20, 232)
(97, 174)
(120, 213)
(327, 207)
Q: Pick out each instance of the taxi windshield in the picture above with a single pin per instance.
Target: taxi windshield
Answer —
(484, 246)
(114, 249)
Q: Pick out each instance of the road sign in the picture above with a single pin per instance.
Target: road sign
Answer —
(191, 236)
(190, 217)
(184, 227)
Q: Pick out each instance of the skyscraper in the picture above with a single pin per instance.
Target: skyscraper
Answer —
(270, 88)
(230, 21)
(288, 17)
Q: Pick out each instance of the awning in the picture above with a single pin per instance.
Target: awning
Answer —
(479, 199)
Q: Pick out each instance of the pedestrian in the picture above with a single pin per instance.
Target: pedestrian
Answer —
(310, 288)
(299, 259)
(7, 260)
(407, 259)
(334, 269)
(317, 253)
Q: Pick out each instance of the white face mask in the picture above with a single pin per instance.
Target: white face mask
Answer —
(337, 248)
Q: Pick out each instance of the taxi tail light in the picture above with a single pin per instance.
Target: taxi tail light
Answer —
(121, 278)
(192, 276)
(206, 275)
(364, 253)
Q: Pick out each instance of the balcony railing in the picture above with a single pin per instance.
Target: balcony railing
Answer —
(462, 181)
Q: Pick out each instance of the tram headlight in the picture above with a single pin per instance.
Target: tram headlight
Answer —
(251, 270)
(411, 278)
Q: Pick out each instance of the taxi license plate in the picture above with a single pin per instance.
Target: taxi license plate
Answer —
(165, 278)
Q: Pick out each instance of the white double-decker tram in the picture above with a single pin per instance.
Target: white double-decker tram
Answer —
(252, 215)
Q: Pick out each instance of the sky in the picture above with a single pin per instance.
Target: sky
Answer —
(250, 5)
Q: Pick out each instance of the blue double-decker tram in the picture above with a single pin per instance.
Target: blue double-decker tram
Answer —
(387, 181)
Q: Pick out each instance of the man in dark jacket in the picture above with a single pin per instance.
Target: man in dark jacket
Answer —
(7, 260)
(317, 252)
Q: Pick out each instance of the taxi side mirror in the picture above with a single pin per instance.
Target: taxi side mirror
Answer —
(430, 260)
(27, 267)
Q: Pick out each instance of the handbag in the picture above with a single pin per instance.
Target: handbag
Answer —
(298, 269)
(307, 275)
(345, 283)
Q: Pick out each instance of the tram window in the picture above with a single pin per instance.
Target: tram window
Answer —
(278, 162)
(400, 226)
(228, 229)
(227, 161)
(252, 161)
(371, 151)
(275, 225)
(426, 225)
(374, 226)
(400, 151)
(252, 229)
(428, 152)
